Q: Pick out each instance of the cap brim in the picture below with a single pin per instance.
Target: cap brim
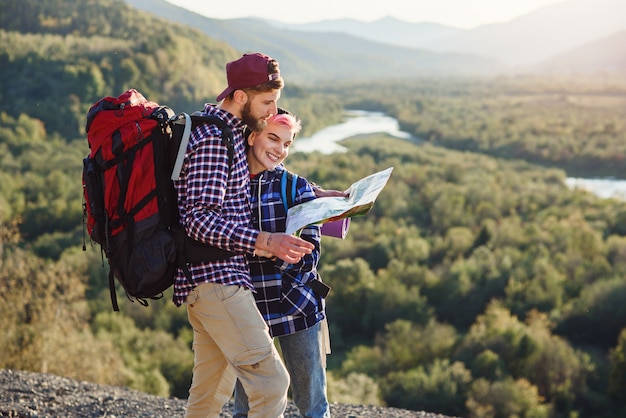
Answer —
(225, 93)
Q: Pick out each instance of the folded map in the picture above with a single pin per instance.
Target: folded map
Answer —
(362, 195)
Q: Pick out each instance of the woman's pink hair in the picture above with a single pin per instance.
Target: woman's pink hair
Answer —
(287, 120)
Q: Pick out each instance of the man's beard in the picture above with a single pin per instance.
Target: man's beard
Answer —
(252, 122)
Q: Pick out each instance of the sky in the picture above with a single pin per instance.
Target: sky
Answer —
(465, 14)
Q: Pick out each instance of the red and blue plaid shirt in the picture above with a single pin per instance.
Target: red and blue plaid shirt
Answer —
(214, 205)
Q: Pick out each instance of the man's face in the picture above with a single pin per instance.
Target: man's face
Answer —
(259, 107)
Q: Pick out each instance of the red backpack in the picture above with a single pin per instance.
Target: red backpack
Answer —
(136, 148)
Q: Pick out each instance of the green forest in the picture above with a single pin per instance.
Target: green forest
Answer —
(479, 285)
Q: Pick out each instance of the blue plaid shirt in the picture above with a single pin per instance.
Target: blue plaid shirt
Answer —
(287, 304)
(214, 206)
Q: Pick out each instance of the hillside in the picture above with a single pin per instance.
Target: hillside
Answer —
(73, 53)
(597, 56)
(24, 394)
(76, 52)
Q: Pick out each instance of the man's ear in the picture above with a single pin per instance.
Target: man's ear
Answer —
(240, 97)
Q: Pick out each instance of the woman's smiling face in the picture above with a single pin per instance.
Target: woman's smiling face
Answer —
(269, 147)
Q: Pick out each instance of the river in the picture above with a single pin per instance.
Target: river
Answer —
(359, 122)
(604, 188)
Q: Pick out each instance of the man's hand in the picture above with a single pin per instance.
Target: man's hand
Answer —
(288, 248)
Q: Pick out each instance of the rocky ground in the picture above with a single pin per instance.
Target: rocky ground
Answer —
(24, 394)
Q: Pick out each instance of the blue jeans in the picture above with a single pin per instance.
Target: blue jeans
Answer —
(302, 354)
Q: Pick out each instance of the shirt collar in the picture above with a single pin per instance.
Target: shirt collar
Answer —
(229, 118)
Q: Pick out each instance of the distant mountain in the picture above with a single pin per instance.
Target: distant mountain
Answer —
(308, 57)
(387, 30)
(521, 42)
(389, 48)
(541, 34)
(598, 56)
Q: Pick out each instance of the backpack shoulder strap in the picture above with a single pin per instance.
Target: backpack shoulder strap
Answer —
(288, 184)
(227, 134)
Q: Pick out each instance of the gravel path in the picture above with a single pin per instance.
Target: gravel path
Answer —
(24, 394)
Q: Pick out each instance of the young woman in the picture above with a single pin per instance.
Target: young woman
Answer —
(293, 311)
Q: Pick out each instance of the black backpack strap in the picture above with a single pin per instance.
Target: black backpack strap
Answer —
(189, 250)
(189, 122)
(227, 134)
(112, 289)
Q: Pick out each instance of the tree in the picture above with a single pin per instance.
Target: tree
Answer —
(43, 318)
(439, 386)
(617, 376)
(506, 399)
(402, 346)
(154, 362)
(355, 388)
(598, 315)
(351, 282)
(528, 351)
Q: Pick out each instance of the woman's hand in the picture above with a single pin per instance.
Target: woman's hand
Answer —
(319, 192)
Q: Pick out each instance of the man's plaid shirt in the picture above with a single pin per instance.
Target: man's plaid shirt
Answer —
(213, 203)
